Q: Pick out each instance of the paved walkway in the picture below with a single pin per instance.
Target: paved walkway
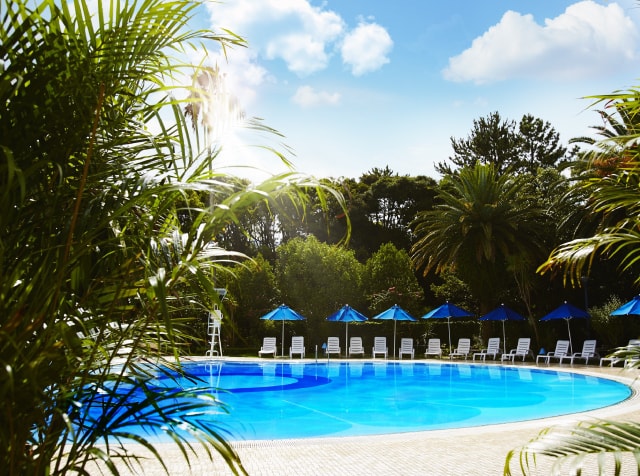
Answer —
(463, 452)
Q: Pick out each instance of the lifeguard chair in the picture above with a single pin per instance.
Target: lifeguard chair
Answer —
(213, 331)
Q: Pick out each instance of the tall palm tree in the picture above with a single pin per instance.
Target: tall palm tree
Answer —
(614, 196)
(483, 225)
(96, 157)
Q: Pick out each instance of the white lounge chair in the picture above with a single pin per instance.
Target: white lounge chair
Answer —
(268, 347)
(614, 360)
(406, 347)
(588, 352)
(297, 346)
(117, 338)
(355, 346)
(463, 349)
(333, 346)
(493, 349)
(561, 350)
(433, 348)
(522, 350)
(380, 347)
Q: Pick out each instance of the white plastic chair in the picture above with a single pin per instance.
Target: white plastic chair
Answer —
(380, 347)
(406, 347)
(588, 352)
(355, 346)
(463, 349)
(493, 348)
(614, 360)
(333, 346)
(268, 347)
(433, 348)
(297, 346)
(561, 351)
(522, 350)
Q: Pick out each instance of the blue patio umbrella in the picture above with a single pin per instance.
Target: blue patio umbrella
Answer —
(447, 311)
(395, 313)
(631, 308)
(503, 313)
(567, 312)
(347, 314)
(282, 313)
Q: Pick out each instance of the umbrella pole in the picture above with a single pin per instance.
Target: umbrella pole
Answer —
(449, 328)
(569, 329)
(282, 337)
(346, 339)
(504, 339)
(394, 339)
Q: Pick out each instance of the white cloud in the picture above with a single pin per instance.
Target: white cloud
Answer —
(587, 40)
(366, 48)
(291, 30)
(303, 53)
(306, 96)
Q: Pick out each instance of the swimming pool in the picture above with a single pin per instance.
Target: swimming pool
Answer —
(288, 399)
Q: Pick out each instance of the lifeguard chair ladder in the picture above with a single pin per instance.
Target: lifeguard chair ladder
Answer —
(213, 330)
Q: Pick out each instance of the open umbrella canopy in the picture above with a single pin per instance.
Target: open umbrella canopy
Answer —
(567, 312)
(631, 308)
(395, 313)
(282, 313)
(503, 313)
(347, 314)
(447, 311)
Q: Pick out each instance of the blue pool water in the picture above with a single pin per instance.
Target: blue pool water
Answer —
(281, 400)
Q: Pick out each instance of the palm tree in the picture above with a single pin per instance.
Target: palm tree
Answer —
(482, 227)
(96, 157)
(613, 195)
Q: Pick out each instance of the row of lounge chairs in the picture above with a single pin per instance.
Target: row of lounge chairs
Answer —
(380, 348)
(434, 349)
(562, 352)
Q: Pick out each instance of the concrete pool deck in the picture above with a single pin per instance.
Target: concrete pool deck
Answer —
(461, 452)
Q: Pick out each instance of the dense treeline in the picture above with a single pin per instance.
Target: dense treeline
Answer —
(510, 194)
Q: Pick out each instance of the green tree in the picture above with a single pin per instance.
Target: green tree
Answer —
(539, 145)
(252, 293)
(481, 225)
(615, 197)
(517, 148)
(316, 279)
(97, 259)
(382, 205)
(389, 279)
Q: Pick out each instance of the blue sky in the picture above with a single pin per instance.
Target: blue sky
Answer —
(358, 84)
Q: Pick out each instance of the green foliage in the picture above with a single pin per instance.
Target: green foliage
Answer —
(389, 279)
(317, 279)
(611, 179)
(607, 441)
(610, 329)
(453, 289)
(516, 148)
(104, 257)
(613, 193)
(381, 206)
(252, 293)
(482, 224)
